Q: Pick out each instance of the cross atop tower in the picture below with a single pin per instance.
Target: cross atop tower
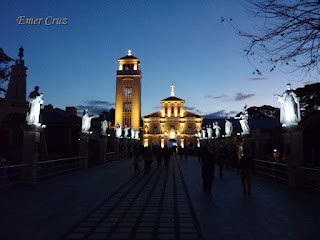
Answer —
(172, 90)
(129, 53)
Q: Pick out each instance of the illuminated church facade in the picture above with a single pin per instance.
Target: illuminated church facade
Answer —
(171, 125)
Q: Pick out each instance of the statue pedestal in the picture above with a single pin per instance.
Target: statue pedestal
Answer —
(84, 149)
(31, 145)
(103, 142)
(293, 150)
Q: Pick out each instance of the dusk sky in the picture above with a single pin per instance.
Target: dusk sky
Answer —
(178, 42)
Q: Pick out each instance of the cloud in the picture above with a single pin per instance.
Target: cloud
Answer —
(241, 96)
(95, 106)
(216, 97)
(258, 79)
(220, 114)
(157, 107)
(192, 109)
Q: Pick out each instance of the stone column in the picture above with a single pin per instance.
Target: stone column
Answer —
(31, 145)
(103, 142)
(293, 149)
(84, 150)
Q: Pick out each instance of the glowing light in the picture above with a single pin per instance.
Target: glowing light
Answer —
(238, 134)
(145, 143)
(162, 143)
(182, 143)
(129, 53)
(275, 150)
(172, 134)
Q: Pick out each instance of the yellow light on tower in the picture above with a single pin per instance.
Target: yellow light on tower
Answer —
(182, 143)
(162, 143)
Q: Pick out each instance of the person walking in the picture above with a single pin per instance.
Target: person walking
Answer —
(147, 156)
(159, 156)
(167, 156)
(246, 166)
(208, 168)
(135, 163)
(221, 160)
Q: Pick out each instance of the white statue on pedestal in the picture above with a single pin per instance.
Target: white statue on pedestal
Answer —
(104, 127)
(198, 134)
(203, 134)
(118, 130)
(209, 131)
(86, 121)
(136, 134)
(35, 100)
(290, 107)
(126, 132)
(217, 128)
(132, 132)
(244, 121)
(228, 128)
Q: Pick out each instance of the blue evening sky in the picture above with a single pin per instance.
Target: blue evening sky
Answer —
(180, 42)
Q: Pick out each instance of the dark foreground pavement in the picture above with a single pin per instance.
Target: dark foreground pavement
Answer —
(109, 202)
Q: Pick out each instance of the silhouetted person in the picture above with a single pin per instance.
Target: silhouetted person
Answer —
(159, 156)
(208, 168)
(186, 153)
(167, 156)
(221, 160)
(135, 163)
(180, 152)
(246, 166)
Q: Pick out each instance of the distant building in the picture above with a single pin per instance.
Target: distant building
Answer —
(128, 92)
(172, 125)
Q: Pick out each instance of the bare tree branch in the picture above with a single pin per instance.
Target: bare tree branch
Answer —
(289, 36)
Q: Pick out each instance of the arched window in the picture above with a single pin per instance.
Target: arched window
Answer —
(155, 130)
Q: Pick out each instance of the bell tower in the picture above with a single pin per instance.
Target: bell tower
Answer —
(128, 92)
(17, 84)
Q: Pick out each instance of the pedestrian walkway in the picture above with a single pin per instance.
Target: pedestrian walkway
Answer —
(109, 202)
(271, 212)
(155, 206)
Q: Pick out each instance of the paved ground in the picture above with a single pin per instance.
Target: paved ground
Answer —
(111, 203)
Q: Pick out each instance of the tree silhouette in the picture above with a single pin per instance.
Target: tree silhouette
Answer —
(309, 98)
(289, 35)
(4, 71)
